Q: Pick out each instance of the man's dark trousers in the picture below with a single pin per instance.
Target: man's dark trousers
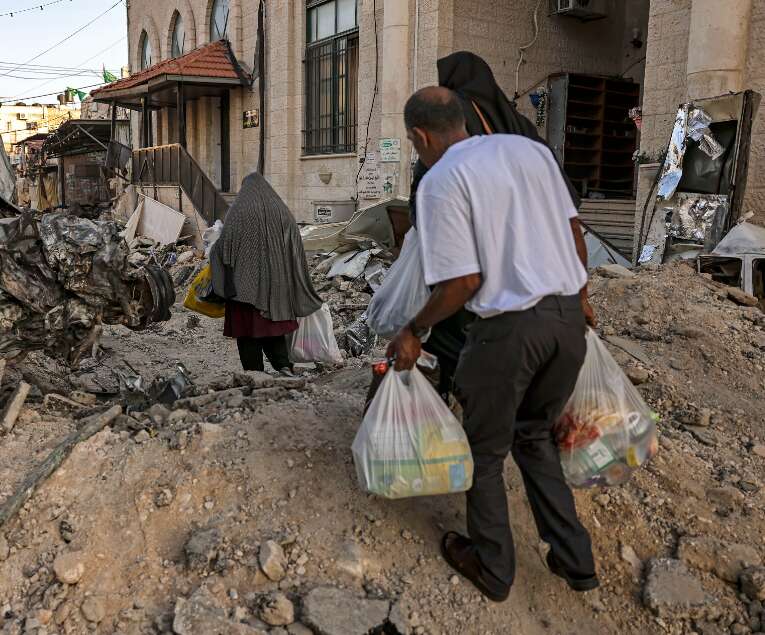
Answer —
(515, 375)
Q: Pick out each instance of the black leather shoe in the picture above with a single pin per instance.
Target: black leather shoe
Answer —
(577, 584)
(459, 553)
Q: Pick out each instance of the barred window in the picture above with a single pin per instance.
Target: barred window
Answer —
(331, 76)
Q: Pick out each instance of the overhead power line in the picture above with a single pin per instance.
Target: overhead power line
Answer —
(90, 59)
(68, 37)
(37, 7)
(55, 92)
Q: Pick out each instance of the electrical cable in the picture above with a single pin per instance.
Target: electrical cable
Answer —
(55, 92)
(34, 8)
(68, 37)
(374, 96)
(43, 84)
(522, 50)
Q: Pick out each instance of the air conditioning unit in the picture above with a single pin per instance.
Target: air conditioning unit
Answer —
(582, 9)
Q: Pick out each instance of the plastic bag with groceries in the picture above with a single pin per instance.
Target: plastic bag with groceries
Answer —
(410, 443)
(314, 340)
(606, 430)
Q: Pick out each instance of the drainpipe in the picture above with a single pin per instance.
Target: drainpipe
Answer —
(717, 47)
(395, 84)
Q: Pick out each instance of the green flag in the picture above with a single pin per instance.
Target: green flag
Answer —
(81, 95)
(109, 77)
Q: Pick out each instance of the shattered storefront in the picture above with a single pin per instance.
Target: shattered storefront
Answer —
(62, 277)
(698, 192)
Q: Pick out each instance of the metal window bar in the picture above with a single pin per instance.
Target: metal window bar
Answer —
(331, 72)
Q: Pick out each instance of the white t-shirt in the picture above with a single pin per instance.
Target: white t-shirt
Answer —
(498, 205)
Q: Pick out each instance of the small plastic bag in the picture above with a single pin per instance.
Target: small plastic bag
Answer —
(210, 236)
(403, 291)
(201, 298)
(606, 430)
(410, 443)
(314, 341)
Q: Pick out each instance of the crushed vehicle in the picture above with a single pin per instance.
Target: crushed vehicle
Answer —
(63, 276)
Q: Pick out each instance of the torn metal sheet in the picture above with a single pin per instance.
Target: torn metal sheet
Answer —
(672, 171)
(350, 265)
(64, 276)
(698, 130)
(693, 216)
(599, 253)
(744, 238)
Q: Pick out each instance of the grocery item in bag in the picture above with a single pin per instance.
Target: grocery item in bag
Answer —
(606, 430)
(403, 291)
(409, 443)
(201, 298)
(314, 341)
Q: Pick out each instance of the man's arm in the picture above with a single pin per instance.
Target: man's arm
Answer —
(581, 250)
(447, 298)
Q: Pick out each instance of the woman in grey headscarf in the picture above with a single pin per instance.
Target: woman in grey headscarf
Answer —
(259, 268)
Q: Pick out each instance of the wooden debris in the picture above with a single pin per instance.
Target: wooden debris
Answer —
(87, 428)
(14, 406)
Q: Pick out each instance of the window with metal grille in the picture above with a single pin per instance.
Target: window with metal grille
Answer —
(331, 76)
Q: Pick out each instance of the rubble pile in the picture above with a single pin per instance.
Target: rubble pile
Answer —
(231, 505)
(62, 277)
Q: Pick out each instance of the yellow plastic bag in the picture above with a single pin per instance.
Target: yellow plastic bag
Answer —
(201, 288)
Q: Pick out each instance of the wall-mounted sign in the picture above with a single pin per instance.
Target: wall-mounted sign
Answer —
(371, 186)
(251, 118)
(390, 150)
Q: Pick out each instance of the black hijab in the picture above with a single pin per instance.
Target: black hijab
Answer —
(472, 79)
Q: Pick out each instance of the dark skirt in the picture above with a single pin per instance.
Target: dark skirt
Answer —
(244, 320)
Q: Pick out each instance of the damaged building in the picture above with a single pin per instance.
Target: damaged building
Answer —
(313, 93)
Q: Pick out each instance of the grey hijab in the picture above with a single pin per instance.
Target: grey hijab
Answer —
(259, 257)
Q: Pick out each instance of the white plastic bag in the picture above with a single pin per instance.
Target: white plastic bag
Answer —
(210, 236)
(606, 430)
(409, 443)
(403, 291)
(314, 341)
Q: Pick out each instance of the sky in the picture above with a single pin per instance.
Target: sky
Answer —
(29, 33)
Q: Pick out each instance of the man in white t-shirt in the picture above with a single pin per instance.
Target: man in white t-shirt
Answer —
(498, 233)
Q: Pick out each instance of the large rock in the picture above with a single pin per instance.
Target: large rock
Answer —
(272, 560)
(615, 271)
(332, 611)
(725, 560)
(726, 497)
(93, 609)
(752, 582)
(278, 610)
(200, 614)
(202, 548)
(671, 590)
(69, 567)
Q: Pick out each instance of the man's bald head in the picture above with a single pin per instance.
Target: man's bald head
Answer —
(434, 122)
(435, 109)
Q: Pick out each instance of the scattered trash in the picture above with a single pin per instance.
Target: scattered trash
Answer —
(156, 221)
(359, 338)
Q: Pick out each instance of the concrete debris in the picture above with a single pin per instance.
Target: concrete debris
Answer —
(752, 581)
(331, 611)
(726, 560)
(671, 591)
(202, 548)
(278, 610)
(14, 406)
(615, 271)
(93, 609)
(201, 614)
(742, 297)
(273, 562)
(69, 567)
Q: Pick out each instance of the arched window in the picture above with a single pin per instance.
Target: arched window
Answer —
(146, 53)
(219, 20)
(178, 47)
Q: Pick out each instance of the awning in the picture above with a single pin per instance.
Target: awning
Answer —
(78, 136)
(205, 71)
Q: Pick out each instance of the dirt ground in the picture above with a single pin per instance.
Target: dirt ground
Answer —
(127, 502)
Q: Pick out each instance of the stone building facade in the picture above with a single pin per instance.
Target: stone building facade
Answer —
(394, 44)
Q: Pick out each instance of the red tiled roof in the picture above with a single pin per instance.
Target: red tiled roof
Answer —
(211, 60)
